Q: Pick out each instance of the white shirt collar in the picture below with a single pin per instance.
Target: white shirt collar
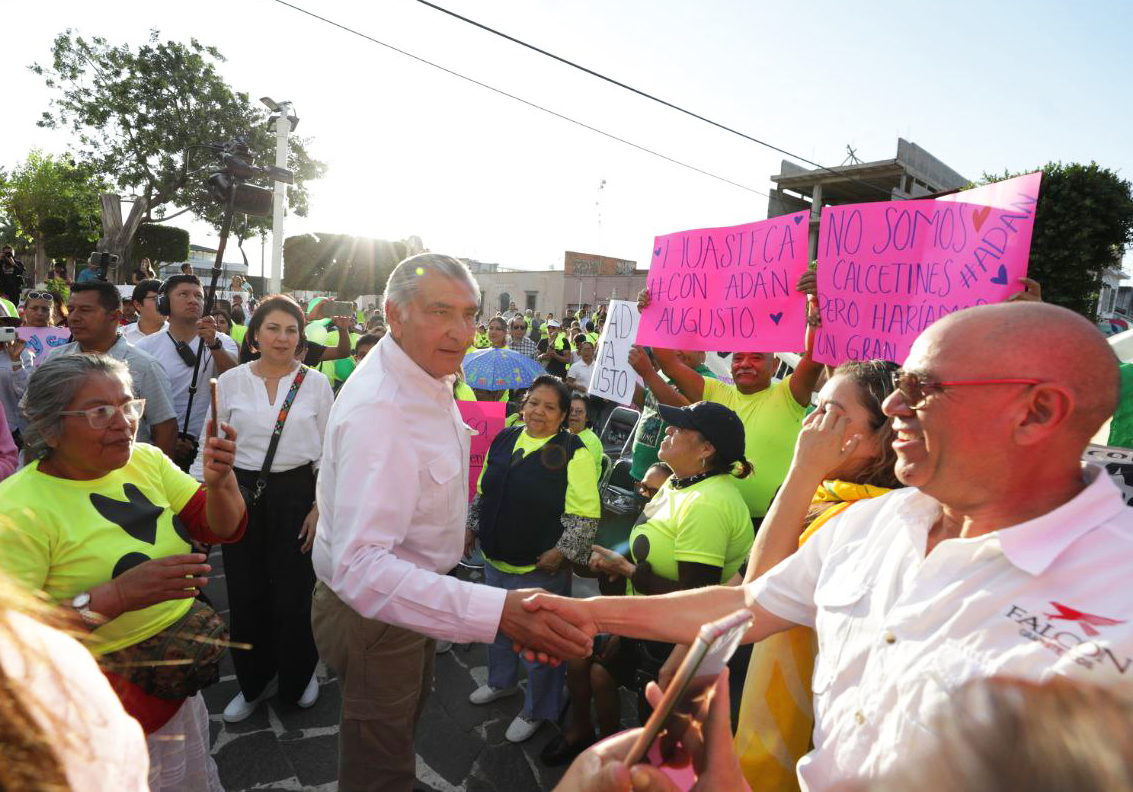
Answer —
(394, 357)
(1032, 546)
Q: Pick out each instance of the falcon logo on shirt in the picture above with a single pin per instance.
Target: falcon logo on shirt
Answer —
(1087, 621)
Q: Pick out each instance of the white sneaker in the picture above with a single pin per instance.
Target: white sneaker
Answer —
(486, 693)
(240, 708)
(444, 646)
(521, 728)
(311, 694)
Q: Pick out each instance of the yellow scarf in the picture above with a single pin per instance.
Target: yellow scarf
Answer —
(776, 715)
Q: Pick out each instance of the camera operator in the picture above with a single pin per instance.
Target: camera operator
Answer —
(11, 274)
(182, 300)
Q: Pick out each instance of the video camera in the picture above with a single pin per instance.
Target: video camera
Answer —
(229, 183)
(103, 261)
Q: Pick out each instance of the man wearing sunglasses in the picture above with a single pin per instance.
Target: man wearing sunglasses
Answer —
(93, 318)
(517, 338)
(1003, 555)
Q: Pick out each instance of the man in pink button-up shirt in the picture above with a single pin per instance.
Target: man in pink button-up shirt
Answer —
(392, 500)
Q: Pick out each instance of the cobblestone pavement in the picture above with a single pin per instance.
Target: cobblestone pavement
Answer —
(460, 746)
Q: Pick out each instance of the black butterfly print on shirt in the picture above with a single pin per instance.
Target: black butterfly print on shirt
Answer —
(138, 517)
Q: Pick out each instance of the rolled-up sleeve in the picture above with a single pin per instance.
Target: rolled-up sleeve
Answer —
(787, 589)
(376, 491)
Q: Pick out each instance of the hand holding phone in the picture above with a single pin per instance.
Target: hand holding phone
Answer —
(688, 696)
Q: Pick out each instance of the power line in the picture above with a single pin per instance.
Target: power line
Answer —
(474, 81)
(645, 95)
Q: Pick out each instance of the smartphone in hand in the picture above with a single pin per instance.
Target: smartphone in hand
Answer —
(687, 698)
(214, 425)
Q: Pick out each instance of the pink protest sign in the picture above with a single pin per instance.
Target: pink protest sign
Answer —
(42, 340)
(729, 289)
(487, 419)
(888, 270)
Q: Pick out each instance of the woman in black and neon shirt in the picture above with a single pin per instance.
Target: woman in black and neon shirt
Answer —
(535, 513)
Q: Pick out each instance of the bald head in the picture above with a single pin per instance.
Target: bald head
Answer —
(1036, 341)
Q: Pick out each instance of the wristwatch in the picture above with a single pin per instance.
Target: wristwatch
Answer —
(81, 603)
(215, 346)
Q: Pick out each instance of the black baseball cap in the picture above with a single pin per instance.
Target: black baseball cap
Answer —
(720, 426)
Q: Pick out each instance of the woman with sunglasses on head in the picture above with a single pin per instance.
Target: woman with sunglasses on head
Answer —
(39, 309)
(102, 526)
(280, 409)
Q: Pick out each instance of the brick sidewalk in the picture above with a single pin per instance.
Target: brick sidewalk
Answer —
(460, 746)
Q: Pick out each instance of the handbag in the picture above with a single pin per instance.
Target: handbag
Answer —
(180, 660)
(251, 497)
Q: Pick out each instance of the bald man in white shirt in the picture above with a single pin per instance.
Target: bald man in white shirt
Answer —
(1004, 555)
(392, 499)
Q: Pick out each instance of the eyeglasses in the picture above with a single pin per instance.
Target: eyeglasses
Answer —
(519, 327)
(38, 295)
(100, 417)
(916, 390)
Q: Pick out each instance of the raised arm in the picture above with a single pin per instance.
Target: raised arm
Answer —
(806, 374)
(662, 391)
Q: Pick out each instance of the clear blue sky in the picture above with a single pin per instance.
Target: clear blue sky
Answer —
(983, 86)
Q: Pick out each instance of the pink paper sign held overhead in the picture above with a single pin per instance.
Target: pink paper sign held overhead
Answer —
(730, 289)
(42, 340)
(888, 270)
(487, 419)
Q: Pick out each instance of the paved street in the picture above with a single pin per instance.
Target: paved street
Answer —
(460, 746)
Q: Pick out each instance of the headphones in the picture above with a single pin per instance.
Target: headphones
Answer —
(162, 301)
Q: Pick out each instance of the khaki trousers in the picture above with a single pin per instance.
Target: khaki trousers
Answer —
(385, 673)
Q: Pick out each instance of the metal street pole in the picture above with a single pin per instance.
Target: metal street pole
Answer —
(282, 130)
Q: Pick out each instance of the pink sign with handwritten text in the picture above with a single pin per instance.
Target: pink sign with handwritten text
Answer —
(42, 340)
(728, 289)
(888, 270)
(487, 420)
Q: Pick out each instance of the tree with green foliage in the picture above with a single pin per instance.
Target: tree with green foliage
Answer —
(343, 264)
(55, 205)
(1083, 225)
(160, 243)
(135, 112)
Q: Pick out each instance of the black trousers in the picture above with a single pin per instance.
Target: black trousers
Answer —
(269, 587)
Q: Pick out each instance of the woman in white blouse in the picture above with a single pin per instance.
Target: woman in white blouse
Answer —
(268, 573)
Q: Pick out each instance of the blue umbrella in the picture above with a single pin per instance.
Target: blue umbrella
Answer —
(500, 369)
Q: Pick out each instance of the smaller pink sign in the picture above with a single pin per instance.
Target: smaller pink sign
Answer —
(728, 289)
(42, 340)
(487, 419)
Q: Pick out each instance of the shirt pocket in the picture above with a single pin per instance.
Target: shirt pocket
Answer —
(440, 491)
(841, 607)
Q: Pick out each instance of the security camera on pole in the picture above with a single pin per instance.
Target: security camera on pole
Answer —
(285, 122)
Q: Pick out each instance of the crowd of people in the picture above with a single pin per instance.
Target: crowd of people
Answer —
(924, 556)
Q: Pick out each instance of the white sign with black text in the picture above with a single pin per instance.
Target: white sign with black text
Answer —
(613, 378)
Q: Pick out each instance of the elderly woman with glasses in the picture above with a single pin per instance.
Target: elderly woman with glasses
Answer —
(102, 527)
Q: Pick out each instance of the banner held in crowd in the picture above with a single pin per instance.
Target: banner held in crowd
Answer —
(613, 378)
(42, 340)
(728, 288)
(487, 420)
(888, 270)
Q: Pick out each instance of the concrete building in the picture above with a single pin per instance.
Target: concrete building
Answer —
(913, 173)
(201, 260)
(585, 279)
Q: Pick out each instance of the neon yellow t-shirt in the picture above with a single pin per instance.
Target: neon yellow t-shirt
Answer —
(594, 446)
(70, 536)
(772, 420)
(463, 392)
(237, 333)
(706, 523)
(581, 494)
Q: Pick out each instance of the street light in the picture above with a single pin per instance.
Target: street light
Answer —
(285, 121)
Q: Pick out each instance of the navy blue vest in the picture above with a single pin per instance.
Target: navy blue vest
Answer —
(523, 499)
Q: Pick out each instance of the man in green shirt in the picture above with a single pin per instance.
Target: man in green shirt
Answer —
(771, 413)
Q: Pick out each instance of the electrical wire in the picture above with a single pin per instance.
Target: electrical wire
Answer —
(520, 99)
(645, 95)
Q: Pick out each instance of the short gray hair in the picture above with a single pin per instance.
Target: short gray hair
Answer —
(402, 284)
(52, 387)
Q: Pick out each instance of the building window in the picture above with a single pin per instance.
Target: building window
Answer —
(530, 306)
